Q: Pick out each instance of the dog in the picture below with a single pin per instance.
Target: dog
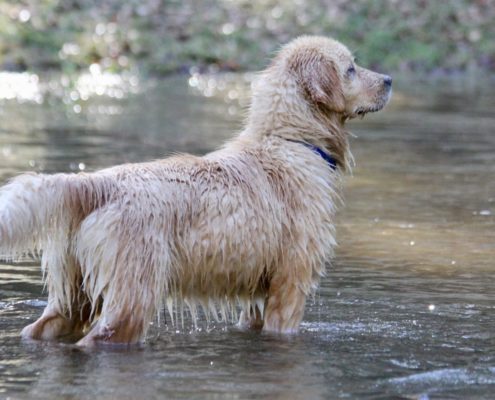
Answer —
(249, 227)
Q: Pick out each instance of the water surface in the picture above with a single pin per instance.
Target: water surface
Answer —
(407, 309)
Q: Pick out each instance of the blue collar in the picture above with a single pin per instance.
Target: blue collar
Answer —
(332, 163)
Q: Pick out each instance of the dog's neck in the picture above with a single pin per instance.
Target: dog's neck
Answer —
(331, 162)
(279, 109)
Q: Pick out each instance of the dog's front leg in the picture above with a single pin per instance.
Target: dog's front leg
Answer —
(285, 305)
(251, 318)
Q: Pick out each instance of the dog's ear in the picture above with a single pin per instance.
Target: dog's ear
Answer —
(319, 79)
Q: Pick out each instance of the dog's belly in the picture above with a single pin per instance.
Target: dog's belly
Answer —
(228, 251)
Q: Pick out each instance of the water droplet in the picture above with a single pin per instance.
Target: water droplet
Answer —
(95, 69)
(24, 15)
(7, 151)
(134, 81)
(123, 61)
(100, 29)
(71, 49)
(233, 94)
(82, 166)
(228, 28)
(212, 83)
(64, 81)
(193, 81)
(277, 12)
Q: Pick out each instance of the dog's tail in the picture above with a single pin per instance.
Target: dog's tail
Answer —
(42, 212)
(38, 211)
(30, 206)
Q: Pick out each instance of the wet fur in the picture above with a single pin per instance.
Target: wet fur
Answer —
(250, 225)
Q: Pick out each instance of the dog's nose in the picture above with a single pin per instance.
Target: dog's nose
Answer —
(387, 81)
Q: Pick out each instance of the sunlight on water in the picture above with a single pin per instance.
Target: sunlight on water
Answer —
(20, 86)
(25, 86)
(232, 89)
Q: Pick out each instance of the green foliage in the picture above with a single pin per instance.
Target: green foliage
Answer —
(164, 36)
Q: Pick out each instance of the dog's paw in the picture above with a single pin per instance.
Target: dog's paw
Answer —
(47, 328)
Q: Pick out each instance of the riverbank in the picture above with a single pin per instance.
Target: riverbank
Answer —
(160, 37)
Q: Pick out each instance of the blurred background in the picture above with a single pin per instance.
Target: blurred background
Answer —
(166, 36)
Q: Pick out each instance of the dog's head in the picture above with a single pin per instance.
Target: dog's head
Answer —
(310, 89)
(327, 73)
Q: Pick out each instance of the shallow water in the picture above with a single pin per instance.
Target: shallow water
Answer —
(407, 309)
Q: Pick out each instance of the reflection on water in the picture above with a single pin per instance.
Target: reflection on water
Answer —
(407, 309)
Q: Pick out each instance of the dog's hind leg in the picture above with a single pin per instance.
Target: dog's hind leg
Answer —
(285, 304)
(68, 309)
(130, 302)
(51, 325)
(125, 260)
(55, 323)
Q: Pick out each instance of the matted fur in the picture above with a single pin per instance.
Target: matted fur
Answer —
(249, 225)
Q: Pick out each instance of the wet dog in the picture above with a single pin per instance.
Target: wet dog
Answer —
(249, 227)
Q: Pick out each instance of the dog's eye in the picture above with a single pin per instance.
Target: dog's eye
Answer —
(351, 71)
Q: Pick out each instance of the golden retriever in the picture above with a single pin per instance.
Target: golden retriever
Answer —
(249, 227)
